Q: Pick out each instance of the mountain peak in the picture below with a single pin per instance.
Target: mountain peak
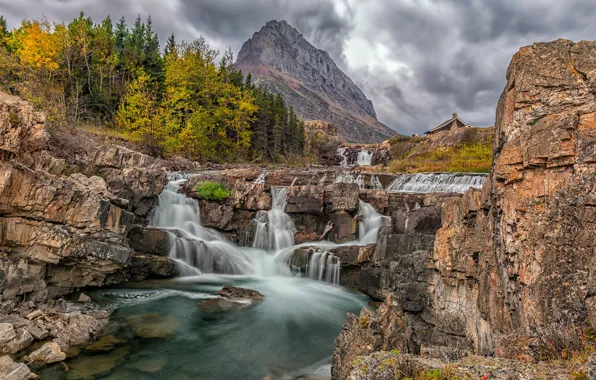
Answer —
(281, 59)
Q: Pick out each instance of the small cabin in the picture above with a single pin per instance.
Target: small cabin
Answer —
(452, 124)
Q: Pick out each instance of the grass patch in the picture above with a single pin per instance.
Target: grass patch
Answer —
(475, 158)
(212, 191)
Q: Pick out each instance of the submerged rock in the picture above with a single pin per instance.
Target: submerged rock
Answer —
(105, 343)
(149, 365)
(94, 366)
(153, 325)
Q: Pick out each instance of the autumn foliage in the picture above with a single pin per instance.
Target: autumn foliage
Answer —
(181, 101)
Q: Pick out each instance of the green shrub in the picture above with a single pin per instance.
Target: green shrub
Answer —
(212, 191)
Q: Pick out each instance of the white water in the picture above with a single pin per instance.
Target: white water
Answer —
(261, 178)
(375, 183)
(275, 230)
(200, 250)
(350, 178)
(365, 157)
(342, 152)
(436, 183)
(370, 223)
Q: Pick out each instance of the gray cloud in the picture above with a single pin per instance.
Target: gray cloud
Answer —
(418, 61)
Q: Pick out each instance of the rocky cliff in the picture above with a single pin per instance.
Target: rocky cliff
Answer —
(512, 271)
(281, 59)
(64, 226)
(519, 255)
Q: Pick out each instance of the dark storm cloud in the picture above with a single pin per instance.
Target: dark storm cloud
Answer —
(436, 56)
(458, 52)
(236, 20)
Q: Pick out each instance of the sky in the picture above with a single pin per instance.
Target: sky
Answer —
(419, 61)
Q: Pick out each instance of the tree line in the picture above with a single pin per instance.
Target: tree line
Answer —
(179, 101)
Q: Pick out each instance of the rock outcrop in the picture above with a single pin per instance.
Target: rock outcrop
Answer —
(517, 257)
(63, 227)
(512, 271)
(280, 58)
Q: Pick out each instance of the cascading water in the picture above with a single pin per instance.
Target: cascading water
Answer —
(342, 152)
(375, 183)
(365, 157)
(436, 183)
(370, 223)
(275, 230)
(350, 178)
(195, 248)
(261, 178)
(304, 314)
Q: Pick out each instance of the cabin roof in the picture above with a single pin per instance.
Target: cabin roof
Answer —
(447, 122)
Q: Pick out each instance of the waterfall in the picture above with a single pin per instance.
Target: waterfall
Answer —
(316, 264)
(279, 224)
(196, 249)
(437, 183)
(342, 152)
(375, 183)
(349, 178)
(370, 223)
(261, 178)
(365, 157)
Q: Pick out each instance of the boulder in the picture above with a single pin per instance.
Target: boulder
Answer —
(48, 353)
(7, 332)
(148, 266)
(9, 370)
(231, 298)
(76, 329)
(234, 292)
(21, 341)
(150, 241)
(21, 127)
(382, 330)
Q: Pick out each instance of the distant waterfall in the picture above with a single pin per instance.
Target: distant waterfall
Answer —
(436, 183)
(261, 178)
(350, 178)
(365, 157)
(342, 152)
(375, 183)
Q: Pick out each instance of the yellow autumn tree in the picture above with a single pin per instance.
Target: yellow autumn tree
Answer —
(138, 111)
(38, 47)
(204, 116)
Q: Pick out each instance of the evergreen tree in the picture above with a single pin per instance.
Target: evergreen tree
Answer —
(170, 46)
(121, 35)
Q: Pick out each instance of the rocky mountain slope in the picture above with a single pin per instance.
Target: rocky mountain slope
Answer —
(280, 58)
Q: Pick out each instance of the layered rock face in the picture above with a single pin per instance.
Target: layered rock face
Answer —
(64, 227)
(513, 267)
(519, 255)
(279, 57)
